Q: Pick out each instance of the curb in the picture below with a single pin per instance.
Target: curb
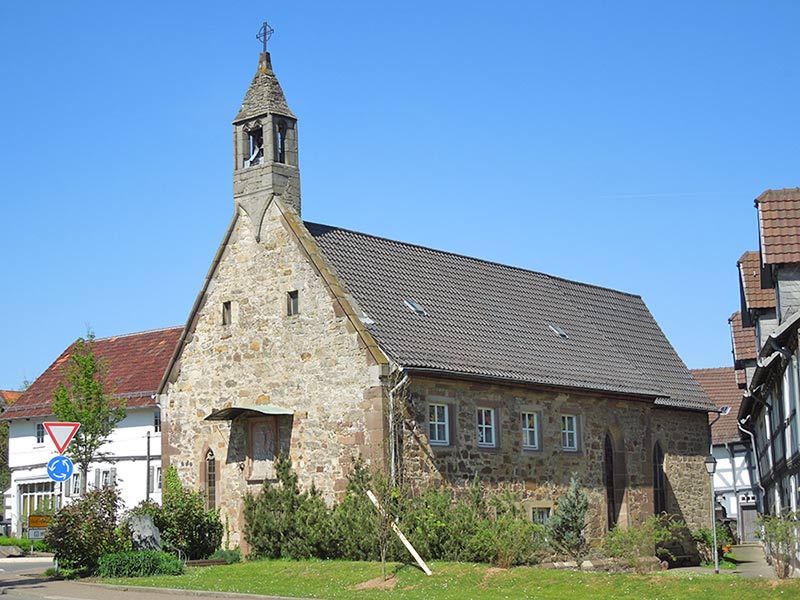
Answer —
(182, 592)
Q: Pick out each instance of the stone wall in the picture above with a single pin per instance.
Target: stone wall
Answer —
(542, 475)
(312, 363)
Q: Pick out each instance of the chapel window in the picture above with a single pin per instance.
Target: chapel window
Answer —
(211, 480)
(280, 143)
(255, 147)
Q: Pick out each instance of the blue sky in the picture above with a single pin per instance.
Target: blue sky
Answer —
(620, 144)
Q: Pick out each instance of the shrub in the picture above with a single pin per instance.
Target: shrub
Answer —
(23, 544)
(704, 541)
(229, 555)
(282, 522)
(354, 526)
(183, 520)
(142, 563)
(85, 530)
(650, 539)
(780, 534)
(567, 525)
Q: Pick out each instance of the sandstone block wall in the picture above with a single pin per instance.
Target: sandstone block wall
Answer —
(312, 363)
(542, 475)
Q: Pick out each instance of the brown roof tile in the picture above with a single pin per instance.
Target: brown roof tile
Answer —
(7, 397)
(750, 273)
(720, 385)
(779, 225)
(743, 338)
(135, 361)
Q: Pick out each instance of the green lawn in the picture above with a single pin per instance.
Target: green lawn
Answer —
(456, 581)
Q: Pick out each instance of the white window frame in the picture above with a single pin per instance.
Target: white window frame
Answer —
(541, 514)
(39, 432)
(485, 427)
(567, 431)
(527, 429)
(435, 424)
(75, 484)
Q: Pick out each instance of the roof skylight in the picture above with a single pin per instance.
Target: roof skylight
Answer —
(725, 410)
(415, 306)
(558, 330)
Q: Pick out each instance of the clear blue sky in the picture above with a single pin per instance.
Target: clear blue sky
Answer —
(619, 143)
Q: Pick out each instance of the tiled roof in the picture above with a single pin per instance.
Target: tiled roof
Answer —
(491, 320)
(750, 274)
(779, 225)
(7, 397)
(743, 339)
(720, 385)
(135, 361)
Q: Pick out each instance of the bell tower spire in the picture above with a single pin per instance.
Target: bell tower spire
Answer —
(265, 161)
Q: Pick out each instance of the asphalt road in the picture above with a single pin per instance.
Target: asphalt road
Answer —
(21, 578)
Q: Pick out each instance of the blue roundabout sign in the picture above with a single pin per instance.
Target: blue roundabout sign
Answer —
(60, 468)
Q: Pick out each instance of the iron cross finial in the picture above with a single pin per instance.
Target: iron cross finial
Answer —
(264, 34)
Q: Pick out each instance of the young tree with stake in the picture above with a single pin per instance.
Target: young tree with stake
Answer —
(83, 396)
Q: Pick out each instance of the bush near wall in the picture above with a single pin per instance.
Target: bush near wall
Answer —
(183, 520)
(282, 522)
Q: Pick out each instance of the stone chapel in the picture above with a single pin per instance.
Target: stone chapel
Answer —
(325, 344)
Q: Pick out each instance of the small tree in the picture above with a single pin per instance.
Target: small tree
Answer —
(780, 533)
(83, 396)
(87, 529)
(567, 525)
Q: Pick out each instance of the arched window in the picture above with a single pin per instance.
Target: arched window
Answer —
(659, 481)
(608, 472)
(211, 480)
(280, 143)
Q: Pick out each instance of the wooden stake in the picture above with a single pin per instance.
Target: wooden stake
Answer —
(399, 533)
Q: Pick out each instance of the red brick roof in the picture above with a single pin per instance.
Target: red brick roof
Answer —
(720, 385)
(750, 273)
(136, 363)
(779, 225)
(743, 339)
(7, 397)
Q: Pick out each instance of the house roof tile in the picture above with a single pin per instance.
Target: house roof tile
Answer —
(750, 274)
(720, 385)
(779, 225)
(743, 339)
(7, 398)
(135, 361)
(485, 319)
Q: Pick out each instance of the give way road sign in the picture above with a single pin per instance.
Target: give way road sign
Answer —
(61, 433)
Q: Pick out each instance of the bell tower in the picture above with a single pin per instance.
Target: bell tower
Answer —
(265, 144)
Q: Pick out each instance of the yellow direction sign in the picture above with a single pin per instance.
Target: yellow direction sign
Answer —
(39, 521)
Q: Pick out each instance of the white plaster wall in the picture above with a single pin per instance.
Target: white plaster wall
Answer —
(127, 453)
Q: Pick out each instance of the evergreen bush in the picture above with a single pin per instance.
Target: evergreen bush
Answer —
(566, 527)
(283, 522)
(142, 563)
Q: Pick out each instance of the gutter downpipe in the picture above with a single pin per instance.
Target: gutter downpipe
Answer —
(754, 452)
(392, 436)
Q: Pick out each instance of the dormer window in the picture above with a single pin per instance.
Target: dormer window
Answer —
(255, 141)
(280, 143)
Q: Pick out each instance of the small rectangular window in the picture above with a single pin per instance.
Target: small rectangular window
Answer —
(292, 303)
(157, 421)
(530, 431)
(486, 434)
(39, 433)
(540, 516)
(227, 316)
(75, 482)
(438, 424)
(569, 433)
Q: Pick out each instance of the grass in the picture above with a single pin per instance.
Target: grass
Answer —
(336, 580)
